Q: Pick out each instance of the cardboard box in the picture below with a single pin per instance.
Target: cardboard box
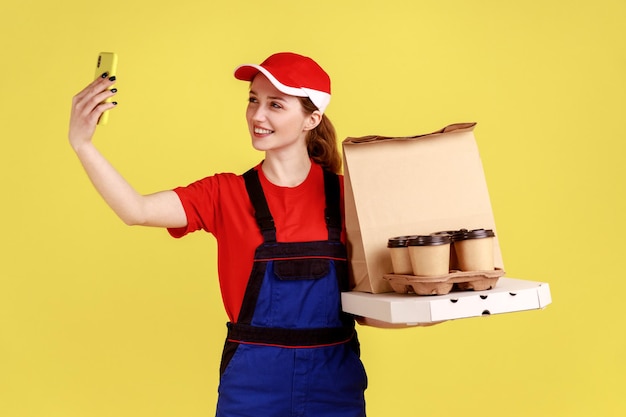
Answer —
(509, 295)
(398, 186)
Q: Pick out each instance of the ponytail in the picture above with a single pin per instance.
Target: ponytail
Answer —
(322, 141)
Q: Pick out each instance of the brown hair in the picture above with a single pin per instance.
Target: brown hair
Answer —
(321, 142)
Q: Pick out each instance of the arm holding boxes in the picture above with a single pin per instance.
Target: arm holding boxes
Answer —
(368, 321)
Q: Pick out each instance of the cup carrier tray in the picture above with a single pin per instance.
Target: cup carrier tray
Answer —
(443, 284)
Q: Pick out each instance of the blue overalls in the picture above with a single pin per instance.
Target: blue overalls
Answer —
(292, 351)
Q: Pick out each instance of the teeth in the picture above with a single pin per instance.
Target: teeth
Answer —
(260, 131)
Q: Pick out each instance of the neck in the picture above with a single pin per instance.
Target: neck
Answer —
(286, 172)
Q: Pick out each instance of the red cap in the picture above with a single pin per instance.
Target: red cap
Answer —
(292, 74)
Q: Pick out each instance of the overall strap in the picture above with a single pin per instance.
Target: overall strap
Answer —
(264, 218)
(333, 205)
(261, 210)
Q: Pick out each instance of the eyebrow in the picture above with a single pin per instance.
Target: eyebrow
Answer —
(282, 98)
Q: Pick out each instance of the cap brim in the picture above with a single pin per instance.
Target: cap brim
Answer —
(248, 71)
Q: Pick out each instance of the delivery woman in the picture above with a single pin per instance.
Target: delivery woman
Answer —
(289, 350)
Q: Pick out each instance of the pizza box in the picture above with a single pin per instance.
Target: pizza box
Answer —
(509, 295)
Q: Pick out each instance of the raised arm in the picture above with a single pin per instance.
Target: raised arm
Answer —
(162, 209)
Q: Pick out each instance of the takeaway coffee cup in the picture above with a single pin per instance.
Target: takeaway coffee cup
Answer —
(430, 255)
(474, 249)
(454, 264)
(399, 251)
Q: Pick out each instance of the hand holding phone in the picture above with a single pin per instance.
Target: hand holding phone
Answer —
(107, 63)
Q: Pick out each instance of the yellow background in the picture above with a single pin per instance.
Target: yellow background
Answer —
(99, 319)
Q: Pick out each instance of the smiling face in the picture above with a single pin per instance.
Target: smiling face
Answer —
(277, 121)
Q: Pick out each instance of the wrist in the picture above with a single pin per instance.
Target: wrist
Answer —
(81, 147)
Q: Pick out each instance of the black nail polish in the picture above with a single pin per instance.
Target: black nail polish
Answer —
(114, 103)
(112, 78)
(114, 90)
(104, 75)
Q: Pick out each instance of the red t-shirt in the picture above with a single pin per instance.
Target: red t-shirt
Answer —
(220, 205)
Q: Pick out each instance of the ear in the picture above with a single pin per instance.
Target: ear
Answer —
(313, 120)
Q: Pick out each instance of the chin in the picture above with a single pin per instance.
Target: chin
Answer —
(260, 145)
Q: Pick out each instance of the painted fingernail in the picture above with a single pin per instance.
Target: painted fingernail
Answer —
(114, 90)
(104, 75)
(112, 78)
(114, 103)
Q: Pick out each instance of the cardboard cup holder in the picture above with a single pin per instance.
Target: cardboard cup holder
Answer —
(443, 284)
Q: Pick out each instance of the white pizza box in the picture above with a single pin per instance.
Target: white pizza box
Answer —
(508, 296)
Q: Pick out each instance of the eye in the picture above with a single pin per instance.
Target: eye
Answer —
(276, 105)
(252, 100)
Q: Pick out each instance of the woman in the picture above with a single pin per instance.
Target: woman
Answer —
(281, 254)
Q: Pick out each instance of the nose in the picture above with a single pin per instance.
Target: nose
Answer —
(257, 113)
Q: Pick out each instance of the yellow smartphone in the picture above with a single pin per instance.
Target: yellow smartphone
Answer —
(107, 62)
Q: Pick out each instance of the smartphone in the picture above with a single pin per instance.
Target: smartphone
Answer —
(107, 62)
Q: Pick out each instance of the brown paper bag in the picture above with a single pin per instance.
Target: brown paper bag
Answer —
(407, 186)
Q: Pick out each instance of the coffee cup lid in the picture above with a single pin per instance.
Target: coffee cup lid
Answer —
(399, 241)
(472, 234)
(445, 232)
(430, 240)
